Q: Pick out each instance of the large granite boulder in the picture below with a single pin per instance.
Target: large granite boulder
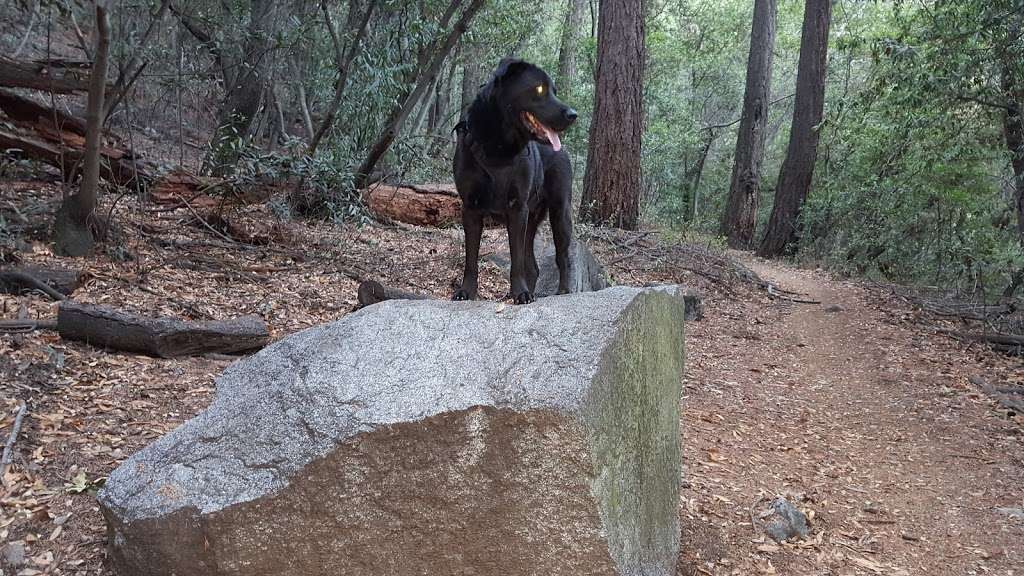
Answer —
(426, 437)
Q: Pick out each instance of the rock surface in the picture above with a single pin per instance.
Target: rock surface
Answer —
(585, 273)
(785, 521)
(426, 437)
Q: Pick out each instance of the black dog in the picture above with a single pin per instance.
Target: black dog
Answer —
(509, 164)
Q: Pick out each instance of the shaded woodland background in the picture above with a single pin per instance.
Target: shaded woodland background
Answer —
(229, 181)
(916, 177)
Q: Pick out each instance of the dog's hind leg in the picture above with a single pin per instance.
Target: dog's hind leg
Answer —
(532, 270)
(558, 186)
(473, 225)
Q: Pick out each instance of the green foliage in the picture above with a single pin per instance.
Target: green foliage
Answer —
(912, 187)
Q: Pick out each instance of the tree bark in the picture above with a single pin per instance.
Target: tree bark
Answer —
(41, 76)
(72, 229)
(740, 217)
(798, 169)
(613, 180)
(568, 47)
(1013, 130)
(162, 337)
(424, 79)
(244, 94)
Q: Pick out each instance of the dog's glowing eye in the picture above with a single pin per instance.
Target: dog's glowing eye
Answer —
(540, 89)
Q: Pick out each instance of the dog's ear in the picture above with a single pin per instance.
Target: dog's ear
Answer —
(509, 67)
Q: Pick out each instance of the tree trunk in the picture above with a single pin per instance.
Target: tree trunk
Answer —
(1013, 124)
(1013, 130)
(244, 95)
(424, 79)
(798, 168)
(611, 191)
(569, 45)
(694, 174)
(72, 229)
(472, 74)
(740, 217)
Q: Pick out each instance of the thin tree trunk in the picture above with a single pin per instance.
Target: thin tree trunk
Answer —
(1013, 130)
(798, 169)
(472, 74)
(244, 95)
(740, 217)
(343, 60)
(695, 173)
(569, 45)
(613, 180)
(73, 230)
(423, 81)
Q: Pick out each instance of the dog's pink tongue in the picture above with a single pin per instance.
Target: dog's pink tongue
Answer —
(552, 137)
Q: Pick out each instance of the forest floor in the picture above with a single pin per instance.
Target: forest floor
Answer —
(854, 408)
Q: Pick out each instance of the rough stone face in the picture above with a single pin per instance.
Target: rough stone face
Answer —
(426, 437)
(585, 273)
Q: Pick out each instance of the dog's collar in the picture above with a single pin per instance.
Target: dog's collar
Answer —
(478, 152)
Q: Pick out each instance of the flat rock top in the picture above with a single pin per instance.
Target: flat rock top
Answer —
(396, 361)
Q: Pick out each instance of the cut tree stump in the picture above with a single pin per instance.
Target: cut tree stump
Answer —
(163, 337)
(21, 279)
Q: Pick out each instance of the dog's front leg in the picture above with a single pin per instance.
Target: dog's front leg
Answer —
(517, 222)
(473, 225)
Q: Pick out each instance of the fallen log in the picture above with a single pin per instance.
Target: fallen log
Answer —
(22, 109)
(424, 205)
(64, 150)
(162, 337)
(43, 75)
(57, 283)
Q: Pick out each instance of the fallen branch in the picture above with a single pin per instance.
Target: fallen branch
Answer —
(8, 456)
(22, 326)
(997, 338)
(1006, 402)
(22, 280)
(776, 292)
(373, 292)
(163, 337)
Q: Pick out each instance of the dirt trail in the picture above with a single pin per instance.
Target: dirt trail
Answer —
(871, 423)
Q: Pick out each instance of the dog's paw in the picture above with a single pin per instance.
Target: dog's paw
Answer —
(462, 294)
(524, 297)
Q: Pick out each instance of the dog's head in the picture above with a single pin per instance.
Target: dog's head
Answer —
(527, 98)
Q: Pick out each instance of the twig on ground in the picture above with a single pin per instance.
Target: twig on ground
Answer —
(23, 326)
(24, 279)
(775, 292)
(8, 456)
